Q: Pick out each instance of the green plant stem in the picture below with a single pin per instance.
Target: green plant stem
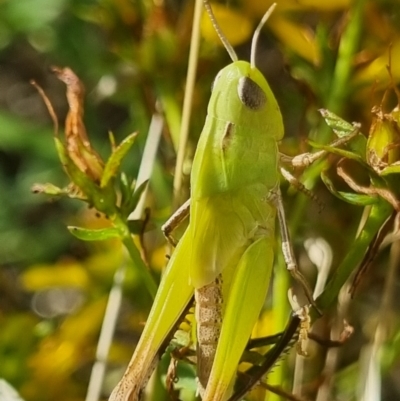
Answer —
(134, 253)
(349, 43)
(378, 215)
(339, 87)
(144, 272)
(340, 83)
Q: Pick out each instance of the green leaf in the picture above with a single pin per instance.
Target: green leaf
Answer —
(129, 205)
(339, 126)
(390, 169)
(102, 199)
(182, 338)
(114, 161)
(87, 234)
(349, 197)
(126, 186)
(340, 152)
(342, 128)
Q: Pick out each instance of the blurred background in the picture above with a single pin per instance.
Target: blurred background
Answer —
(132, 57)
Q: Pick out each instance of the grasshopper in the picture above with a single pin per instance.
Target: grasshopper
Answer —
(226, 254)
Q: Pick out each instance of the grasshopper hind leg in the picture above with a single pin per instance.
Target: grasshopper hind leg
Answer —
(209, 319)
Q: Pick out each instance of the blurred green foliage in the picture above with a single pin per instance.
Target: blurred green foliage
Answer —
(132, 54)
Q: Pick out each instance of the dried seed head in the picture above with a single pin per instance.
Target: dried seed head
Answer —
(383, 145)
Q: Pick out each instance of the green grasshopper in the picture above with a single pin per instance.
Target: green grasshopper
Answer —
(226, 254)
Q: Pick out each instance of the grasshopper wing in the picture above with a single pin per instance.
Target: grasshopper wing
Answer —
(248, 289)
(171, 300)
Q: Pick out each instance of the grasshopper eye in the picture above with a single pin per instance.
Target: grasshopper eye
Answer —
(251, 94)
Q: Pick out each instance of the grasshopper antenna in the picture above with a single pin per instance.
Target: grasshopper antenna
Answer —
(221, 35)
(257, 35)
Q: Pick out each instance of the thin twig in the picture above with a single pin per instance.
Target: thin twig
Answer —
(187, 102)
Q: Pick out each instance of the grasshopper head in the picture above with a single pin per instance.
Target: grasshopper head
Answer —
(241, 95)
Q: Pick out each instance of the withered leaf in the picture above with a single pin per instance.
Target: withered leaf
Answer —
(78, 145)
